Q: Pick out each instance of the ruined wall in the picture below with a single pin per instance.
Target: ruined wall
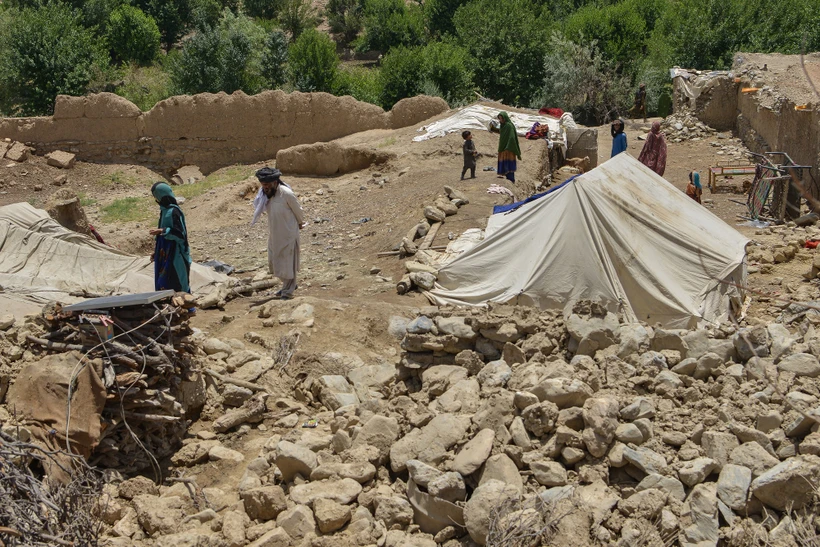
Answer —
(208, 130)
(713, 99)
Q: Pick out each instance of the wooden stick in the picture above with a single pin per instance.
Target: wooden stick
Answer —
(240, 383)
(397, 253)
(431, 235)
(55, 345)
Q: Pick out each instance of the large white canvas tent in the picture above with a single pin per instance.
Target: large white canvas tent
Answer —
(619, 234)
(42, 260)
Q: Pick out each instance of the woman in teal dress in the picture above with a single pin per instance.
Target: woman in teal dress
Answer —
(172, 254)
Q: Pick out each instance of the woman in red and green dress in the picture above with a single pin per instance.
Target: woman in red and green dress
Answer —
(508, 149)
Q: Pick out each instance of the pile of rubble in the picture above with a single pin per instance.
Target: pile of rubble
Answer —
(509, 422)
(684, 126)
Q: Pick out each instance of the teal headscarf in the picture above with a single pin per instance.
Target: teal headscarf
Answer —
(696, 180)
(164, 195)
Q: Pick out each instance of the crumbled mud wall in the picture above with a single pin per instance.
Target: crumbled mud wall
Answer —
(208, 130)
(328, 158)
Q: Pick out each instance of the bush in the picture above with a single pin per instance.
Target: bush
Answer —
(205, 13)
(508, 41)
(578, 79)
(438, 15)
(313, 62)
(391, 23)
(359, 82)
(297, 16)
(133, 35)
(172, 17)
(618, 29)
(275, 59)
(447, 66)
(44, 52)
(401, 75)
(345, 19)
(226, 58)
(145, 86)
(264, 9)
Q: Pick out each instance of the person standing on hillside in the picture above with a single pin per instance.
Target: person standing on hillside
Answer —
(653, 154)
(640, 104)
(618, 137)
(172, 254)
(508, 149)
(470, 153)
(285, 220)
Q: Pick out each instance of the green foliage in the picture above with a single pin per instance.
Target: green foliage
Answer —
(438, 15)
(391, 23)
(45, 51)
(401, 75)
(359, 82)
(133, 35)
(275, 59)
(264, 9)
(223, 58)
(313, 62)
(172, 17)
(618, 29)
(297, 16)
(577, 78)
(345, 19)
(97, 13)
(508, 40)
(206, 13)
(447, 67)
(130, 209)
(145, 86)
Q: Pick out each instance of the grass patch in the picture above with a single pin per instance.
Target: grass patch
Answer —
(223, 177)
(119, 178)
(389, 141)
(127, 210)
(145, 86)
(86, 201)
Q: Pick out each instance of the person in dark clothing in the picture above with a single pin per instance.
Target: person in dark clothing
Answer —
(639, 110)
(618, 137)
(172, 254)
(470, 154)
(508, 149)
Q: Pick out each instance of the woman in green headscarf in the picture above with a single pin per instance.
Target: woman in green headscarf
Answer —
(172, 255)
(508, 149)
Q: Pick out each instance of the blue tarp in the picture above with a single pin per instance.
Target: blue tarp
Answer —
(512, 206)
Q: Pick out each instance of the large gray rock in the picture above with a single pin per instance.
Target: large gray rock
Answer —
(462, 398)
(644, 504)
(549, 473)
(421, 325)
(438, 379)
(360, 472)
(335, 392)
(699, 517)
(707, 365)
(478, 508)
(331, 516)
(449, 487)
(733, 486)
(670, 485)
(695, 471)
(753, 456)
(297, 521)
(801, 364)
(394, 510)
(601, 420)
(430, 443)
(421, 473)
(782, 340)
(751, 342)
(455, 326)
(791, 482)
(539, 419)
(343, 491)
(639, 408)
(373, 376)
(494, 374)
(378, 431)
(264, 503)
(719, 446)
(645, 459)
(634, 339)
(593, 333)
(474, 453)
(292, 459)
(158, 516)
(500, 467)
(663, 339)
(564, 392)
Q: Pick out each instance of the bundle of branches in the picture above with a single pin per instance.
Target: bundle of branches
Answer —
(38, 512)
(146, 356)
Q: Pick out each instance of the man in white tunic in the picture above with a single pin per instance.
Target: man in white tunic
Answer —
(285, 220)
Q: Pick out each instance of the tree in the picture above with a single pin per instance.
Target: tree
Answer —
(447, 67)
(45, 51)
(172, 17)
(579, 79)
(264, 9)
(227, 57)
(401, 74)
(345, 19)
(275, 58)
(438, 14)
(390, 23)
(297, 16)
(205, 13)
(313, 62)
(133, 35)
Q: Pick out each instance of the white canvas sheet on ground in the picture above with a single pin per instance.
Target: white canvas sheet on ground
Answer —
(476, 117)
(43, 260)
(619, 234)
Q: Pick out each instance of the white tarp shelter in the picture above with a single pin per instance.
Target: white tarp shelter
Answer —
(619, 234)
(477, 117)
(43, 260)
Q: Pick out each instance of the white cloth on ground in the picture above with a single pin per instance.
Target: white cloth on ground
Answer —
(284, 218)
